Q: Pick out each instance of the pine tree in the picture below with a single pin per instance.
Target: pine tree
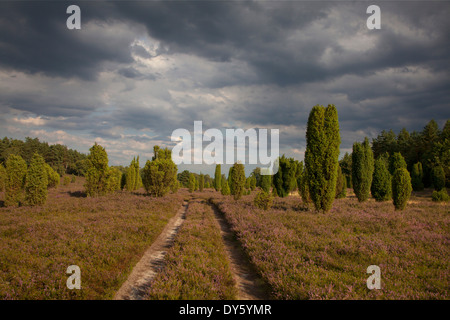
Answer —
(417, 177)
(238, 180)
(16, 170)
(401, 188)
(321, 156)
(381, 188)
(362, 169)
(218, 178)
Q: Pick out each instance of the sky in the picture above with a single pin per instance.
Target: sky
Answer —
(138, 70)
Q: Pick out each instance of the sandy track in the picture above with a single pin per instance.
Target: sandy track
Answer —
(250, 285)
(135, 287)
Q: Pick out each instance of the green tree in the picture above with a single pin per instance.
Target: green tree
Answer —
(438, 178)
(362, 169)
(381, 184)
(321, 155)
(285, 179)
(36, 181)
(252, 182)
(263, 200)
(230, 180)
(217, 178)
(401, 188)
(303, 190)
(266, 182)
(16, 170)
(201, 182)
(396, 161)
(131, 176)
(341, 185)
(238, 180)
(225, 188)
(98, 172)
(2, 177)
(417, 176)
(52, 176)
(160, 174)
(191, 183)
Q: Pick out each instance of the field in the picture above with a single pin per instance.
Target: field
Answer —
(297, 252)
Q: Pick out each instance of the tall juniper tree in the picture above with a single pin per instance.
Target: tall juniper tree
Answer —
(362, 169)
(321, 156)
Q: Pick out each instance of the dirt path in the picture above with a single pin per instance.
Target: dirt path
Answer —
(152, 261)
(249, 284)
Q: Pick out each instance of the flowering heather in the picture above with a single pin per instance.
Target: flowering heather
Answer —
(303, 254)
(104, 236)
(196, 266)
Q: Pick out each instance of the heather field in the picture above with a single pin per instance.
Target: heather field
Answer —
(196, 266)
(104, 236)
(303, 254)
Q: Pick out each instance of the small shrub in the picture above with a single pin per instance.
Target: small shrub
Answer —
(401, 188)
(263, 200)
(73, 179)
(225, 188)
(441, 195)
(438, 178)
(66, 180)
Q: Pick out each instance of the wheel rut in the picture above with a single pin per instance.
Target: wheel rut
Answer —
(152, 262)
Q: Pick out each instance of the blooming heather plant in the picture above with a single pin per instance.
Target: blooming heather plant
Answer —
(196, 266)
(104, 236)
(303, 255)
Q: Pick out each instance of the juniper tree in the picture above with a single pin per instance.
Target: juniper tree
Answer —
(36, 181)
(191, 182)
(131, 176)
(438, 178)
(98, 172)
(362, 169)
(52, 176)
(16, 170)
(381, 188)
(217, 178)
(341, 185)
(160, 174)
(237, 180)
(201, 182)
(417, 177)
(396, 161)
(230, 180)
(321, 155)
(285, 178)
(2, 177)
(266, 182)
(225, 188)
(401, 188)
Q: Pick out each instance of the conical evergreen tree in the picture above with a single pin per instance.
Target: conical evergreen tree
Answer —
(401, 188)
(36, 181)
(362, 169)
(16, 170)
(417, 177)
(218, 178)
(321, 155)
(381, 188)
(238, 180)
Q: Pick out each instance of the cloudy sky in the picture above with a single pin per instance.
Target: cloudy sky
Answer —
(136, 71)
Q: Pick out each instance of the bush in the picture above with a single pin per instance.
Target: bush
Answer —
(238, 180)
(66, 180)
(438, 178)
(441, 195)
(266, 182)
(401, 188)
(16, 170)
(97, 174)
(52, 177)
(381, 183)
(36, 181)
(73, 179)
(263, 200)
